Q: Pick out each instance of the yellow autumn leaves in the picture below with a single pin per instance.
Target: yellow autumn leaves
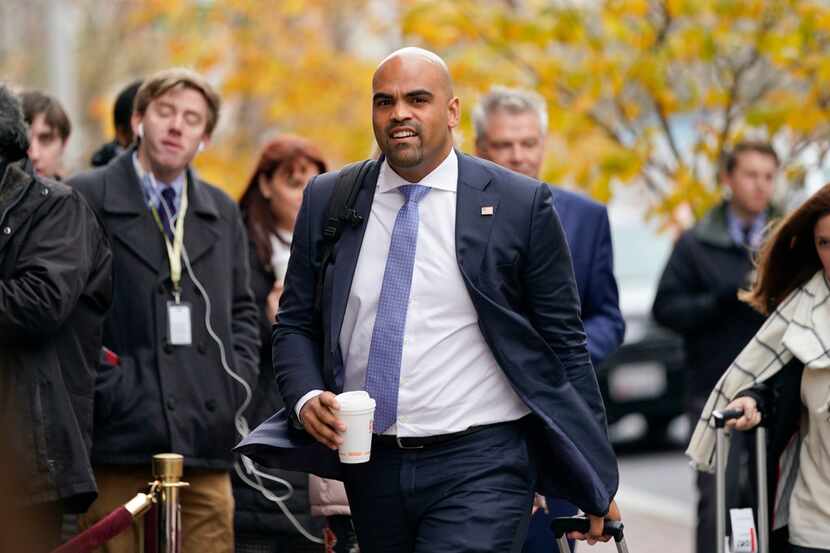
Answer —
(643, 93)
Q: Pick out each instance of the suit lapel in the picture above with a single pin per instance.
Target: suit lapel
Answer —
(346, 252)
(477, 207)
(133, 225)
(200, 223)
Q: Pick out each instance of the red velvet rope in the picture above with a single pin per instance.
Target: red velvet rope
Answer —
(97, 535)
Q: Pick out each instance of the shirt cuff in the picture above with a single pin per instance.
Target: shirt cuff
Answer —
(303, 400)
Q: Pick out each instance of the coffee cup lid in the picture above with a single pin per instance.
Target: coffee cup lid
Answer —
(354, 401)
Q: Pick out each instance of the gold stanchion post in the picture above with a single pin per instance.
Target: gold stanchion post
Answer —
(167, 470)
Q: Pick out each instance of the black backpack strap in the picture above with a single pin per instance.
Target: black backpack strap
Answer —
(340, 211)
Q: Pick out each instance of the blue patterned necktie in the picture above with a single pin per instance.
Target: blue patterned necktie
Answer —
(746, 233)
(383, 371)
(169, 197)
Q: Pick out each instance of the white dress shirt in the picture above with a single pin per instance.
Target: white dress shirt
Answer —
(152, 187)
(449, 378)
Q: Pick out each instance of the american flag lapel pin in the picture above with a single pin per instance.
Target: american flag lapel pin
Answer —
(487, 210)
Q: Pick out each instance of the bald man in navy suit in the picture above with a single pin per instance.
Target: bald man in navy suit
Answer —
(451, 300)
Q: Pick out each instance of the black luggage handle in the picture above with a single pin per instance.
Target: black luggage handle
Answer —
(564, 525)
(721, 417)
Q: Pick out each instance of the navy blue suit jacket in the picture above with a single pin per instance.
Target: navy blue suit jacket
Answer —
(589, 237)
(517, 270)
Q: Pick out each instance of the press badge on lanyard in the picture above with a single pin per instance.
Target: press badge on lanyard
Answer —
(179, 331)
(178, 323)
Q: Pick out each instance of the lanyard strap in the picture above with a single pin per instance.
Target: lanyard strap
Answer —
(174, 250)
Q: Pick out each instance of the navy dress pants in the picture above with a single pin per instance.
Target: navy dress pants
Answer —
(469, 495)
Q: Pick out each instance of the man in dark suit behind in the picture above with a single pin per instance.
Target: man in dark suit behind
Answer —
(453, 304)
(511, 126)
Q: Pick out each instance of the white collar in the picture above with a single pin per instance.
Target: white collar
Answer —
(443, 177)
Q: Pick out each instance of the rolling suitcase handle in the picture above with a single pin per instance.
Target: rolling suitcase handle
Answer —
(720, 419)
(562, 525)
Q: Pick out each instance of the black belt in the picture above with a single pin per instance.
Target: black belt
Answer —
(423, 442)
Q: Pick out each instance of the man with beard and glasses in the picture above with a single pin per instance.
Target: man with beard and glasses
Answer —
(454, 306)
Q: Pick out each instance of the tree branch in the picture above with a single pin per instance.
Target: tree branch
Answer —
(568, 94)
(651, 184)
(667, 20)
(658, 165)
(666, 128)
(624, 120)
(661, 35)
(737, 76)
(733, 97)
(822, 156)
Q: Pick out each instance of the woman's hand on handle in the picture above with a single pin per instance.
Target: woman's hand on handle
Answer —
(751, 417)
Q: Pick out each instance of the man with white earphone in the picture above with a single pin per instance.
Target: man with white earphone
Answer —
(183, 329)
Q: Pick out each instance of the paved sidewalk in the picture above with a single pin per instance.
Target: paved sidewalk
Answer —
(646, 533)
(656, 498)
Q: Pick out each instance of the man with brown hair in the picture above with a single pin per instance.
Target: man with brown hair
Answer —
(184, 325)
(49, 130)
(698, 298)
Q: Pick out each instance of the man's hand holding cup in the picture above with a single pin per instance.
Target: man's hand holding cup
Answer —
(342, 422)
(319, 418)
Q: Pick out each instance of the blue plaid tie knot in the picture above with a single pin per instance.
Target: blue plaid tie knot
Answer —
(383, 371)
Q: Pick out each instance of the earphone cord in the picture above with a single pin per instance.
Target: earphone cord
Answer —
(239, 418)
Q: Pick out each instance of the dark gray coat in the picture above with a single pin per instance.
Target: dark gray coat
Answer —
(160, 397)
(697, 297)
(55, 289)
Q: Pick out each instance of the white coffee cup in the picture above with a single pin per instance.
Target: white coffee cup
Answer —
(357, 411)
